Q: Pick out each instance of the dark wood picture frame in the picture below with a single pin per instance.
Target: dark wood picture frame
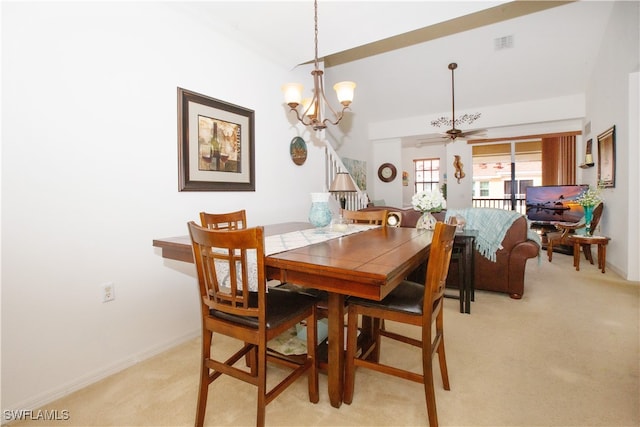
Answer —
(607, 158)
(216, 144)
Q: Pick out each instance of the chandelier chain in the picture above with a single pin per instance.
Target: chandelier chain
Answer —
(315, 23)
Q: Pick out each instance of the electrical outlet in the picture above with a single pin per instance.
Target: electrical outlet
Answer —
(108, 292)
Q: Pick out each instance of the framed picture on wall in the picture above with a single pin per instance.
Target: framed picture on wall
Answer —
(607, 158)
(215, 144)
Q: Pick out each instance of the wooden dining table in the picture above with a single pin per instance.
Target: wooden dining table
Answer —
(368, 264)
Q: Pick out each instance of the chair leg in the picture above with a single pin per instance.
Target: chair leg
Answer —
(251, 359)
(442, 358)
(203, 390)
(549, 250)
(375, 331)
(587, 253)
(262, 385)
(349, 370)
(442, 361)
(429, 390)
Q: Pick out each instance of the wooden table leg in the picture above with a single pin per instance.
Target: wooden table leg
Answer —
(467, 257)
(576, 256)
(335, 369)
(602, 256)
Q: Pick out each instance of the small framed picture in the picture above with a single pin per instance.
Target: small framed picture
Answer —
(607, 158)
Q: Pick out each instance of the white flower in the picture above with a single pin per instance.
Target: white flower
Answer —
(428, 201)
(590, 197)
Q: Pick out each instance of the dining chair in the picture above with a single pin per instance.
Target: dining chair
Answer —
(366, 217)
(411, 303)
(253, 318)
(561, 237)
(224, 221)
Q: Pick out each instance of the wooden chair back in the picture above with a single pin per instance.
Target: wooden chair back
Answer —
(221, 260)
(437, 270)
(595, 219)
(366, 217)
(224, 221)
(561, 237)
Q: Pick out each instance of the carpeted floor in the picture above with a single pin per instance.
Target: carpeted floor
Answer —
(567, 354)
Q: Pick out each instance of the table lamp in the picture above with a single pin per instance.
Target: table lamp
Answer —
(342, 184)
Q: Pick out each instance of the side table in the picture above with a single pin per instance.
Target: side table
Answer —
(578, 241)
(463, 254)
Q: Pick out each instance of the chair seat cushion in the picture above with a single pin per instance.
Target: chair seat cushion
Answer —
(322, 297)
(407, 297)
(281, 306)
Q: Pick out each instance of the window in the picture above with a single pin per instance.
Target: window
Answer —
(484, 188)
(521, 185)
(427, 174)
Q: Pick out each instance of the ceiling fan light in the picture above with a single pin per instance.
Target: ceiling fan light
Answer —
(292, 93)
(345, 91)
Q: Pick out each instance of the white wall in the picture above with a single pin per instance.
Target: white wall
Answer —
(89, 179)
(610, 95)
(388, 151)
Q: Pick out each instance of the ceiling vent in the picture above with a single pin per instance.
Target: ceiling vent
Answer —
(505, 42)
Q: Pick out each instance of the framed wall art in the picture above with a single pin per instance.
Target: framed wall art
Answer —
(215, 144)
(607, 158)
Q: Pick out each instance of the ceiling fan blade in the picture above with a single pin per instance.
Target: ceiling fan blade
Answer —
(473, 132)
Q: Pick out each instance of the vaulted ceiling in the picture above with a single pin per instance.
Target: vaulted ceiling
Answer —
(405, 47)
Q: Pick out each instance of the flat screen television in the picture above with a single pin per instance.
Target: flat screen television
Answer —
(555, 203)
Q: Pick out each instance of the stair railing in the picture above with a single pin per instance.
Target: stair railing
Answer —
(333, 165)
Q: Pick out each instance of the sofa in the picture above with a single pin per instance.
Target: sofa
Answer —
(506, 273)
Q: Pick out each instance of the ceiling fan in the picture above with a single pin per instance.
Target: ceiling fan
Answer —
(454, 132)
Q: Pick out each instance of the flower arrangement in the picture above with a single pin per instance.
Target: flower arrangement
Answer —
(589, 197)
(428, 201)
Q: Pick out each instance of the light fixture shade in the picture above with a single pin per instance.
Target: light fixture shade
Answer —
(345, 90)
(342, 183)
(292, 93)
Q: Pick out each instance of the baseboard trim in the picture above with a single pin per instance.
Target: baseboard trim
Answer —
(52, 395)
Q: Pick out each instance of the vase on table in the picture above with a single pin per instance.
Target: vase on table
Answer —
(320, 214)
(426, 221)
(588, 217)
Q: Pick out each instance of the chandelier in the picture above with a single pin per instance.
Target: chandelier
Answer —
(313, 108)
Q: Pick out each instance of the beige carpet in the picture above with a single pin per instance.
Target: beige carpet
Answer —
(567, 354)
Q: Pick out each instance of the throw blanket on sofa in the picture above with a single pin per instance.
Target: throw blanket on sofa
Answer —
(491, 224)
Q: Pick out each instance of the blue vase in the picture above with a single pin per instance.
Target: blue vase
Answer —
(588, 217)
(320, 214)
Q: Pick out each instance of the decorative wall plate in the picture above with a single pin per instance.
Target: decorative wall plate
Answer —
(387, 172)
(298, 150)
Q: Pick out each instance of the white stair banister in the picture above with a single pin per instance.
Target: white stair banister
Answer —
(333, 165)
